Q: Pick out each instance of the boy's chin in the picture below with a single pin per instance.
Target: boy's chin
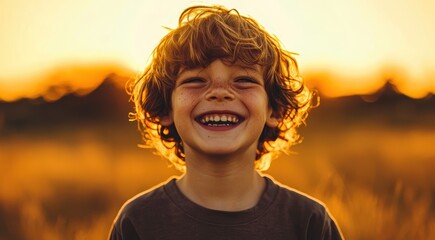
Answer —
(225, 151)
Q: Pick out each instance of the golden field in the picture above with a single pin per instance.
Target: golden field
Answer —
(372, 167)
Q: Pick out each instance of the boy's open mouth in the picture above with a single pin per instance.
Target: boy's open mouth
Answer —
(219, 119)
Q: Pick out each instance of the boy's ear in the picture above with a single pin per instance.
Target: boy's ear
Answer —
(271, 120)
(166, 120)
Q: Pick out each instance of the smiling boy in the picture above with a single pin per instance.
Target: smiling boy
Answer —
(220, 99)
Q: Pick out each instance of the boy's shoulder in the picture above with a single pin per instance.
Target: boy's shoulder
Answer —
(304, 213)
(149, 199)
(293, 201)
(140, 213)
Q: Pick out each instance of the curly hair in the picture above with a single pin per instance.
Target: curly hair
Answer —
(204, 34)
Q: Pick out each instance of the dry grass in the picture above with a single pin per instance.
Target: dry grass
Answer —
(377, 181)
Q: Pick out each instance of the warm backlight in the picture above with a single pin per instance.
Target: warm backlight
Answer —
(345, 47)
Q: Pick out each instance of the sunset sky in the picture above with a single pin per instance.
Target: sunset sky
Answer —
(348, 46)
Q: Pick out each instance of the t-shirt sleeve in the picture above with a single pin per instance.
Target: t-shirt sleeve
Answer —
(123, 229)
(322, 227)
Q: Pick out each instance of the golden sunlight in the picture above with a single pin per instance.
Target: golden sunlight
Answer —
(355, 45)
(69, 157)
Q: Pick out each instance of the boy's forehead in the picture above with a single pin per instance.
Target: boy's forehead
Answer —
(254, 68)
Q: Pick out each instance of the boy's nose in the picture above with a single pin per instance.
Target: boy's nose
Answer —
(220, 93)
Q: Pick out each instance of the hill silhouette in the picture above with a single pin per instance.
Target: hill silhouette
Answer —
(386, 105)
(109, 103)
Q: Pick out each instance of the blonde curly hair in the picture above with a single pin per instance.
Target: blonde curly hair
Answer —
(204, 34)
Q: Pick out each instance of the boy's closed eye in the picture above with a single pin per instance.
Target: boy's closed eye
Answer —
(247, 82)
(192, 82)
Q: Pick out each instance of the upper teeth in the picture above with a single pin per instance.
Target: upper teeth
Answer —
(219, 118)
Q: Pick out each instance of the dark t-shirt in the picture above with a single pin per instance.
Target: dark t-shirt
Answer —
(281, 213)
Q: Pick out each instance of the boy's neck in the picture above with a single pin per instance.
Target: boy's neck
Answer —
(225, 184)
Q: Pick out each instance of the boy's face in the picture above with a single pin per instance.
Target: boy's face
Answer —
(221, 109)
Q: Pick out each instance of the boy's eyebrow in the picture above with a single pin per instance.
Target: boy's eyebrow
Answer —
(251, 68)
(183, 69)
(244, 65)
(255, 69)
(248, 66)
